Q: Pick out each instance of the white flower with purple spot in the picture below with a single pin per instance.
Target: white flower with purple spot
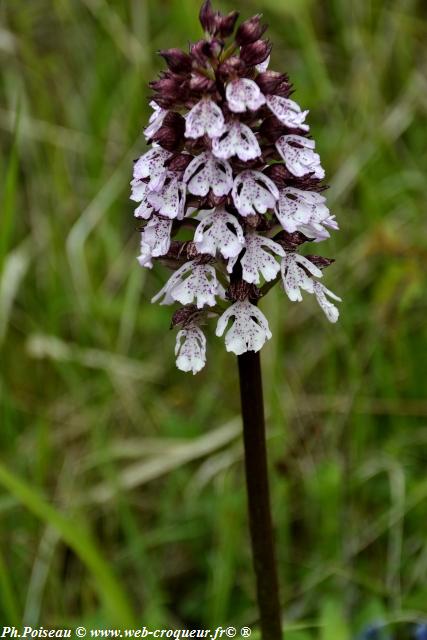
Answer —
(257, 260)
(190, 349)
(155, 121)
(254, 192)
(329, 309)
(205, 117)
(155, 240)
(299, 156)
(304, 211)
(192, 282)
(288, 112)
(249, 330)
(220, 232)
(294, 268)
(243, 94)
(169, 200)
(207, 172)
(237, 140)
(152, 165)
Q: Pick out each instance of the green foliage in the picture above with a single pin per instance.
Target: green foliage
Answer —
(140, 466)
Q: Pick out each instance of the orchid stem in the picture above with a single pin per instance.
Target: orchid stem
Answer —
(260, 521)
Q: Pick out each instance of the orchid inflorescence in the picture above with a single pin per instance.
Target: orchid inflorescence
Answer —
(232, 163)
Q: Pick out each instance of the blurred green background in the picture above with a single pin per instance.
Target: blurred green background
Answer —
(121, 482)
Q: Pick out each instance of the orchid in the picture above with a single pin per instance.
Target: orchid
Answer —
(230, 190)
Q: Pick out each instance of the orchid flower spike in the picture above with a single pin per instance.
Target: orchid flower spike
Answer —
(232, 159)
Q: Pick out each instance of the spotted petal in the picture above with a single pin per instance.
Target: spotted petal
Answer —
(205, 117)
(207, 172)
(329, 309)
(243, 94)
(155, 240)
(169, 201)
(238, 139)
(219, 231)
(249, 331)
(191, 282)
(257, 261)
(288, 112)
(152, 165)
(294, 269)
(299, 156)
(304, 211)
(190, 349)
(156, 120)
(254, 192)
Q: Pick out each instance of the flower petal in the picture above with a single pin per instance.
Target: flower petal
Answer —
(249, 331)
(169, 201)
(288, 112)
(156, 120)
(254, 192)
(329, 309)
(256, 261)
(191, 282)
(207, 172)
(219, 231)
(243, 94)
(299, 156)
(205, 117)
(152, 165)
(190, 349)
(295, 277)
(155, 240)
(238, 139)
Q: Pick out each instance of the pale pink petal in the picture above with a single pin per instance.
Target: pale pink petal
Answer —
(191, 282)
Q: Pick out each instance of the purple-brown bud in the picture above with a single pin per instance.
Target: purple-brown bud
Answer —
(207, 17)
(290, 241)
(185, 315)
(171, 133)
(201, 83)
(270, 81)
(226, 24)
(231, 68)
(241, 290)
(178, 61)
(271, 128)
(256, 52)
(250, 30)
(171, 89)
(178, 162)
(320, 261)
(203, 50)
(215, 23)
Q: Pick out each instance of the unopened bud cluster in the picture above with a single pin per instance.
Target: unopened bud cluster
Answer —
(230, 190)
